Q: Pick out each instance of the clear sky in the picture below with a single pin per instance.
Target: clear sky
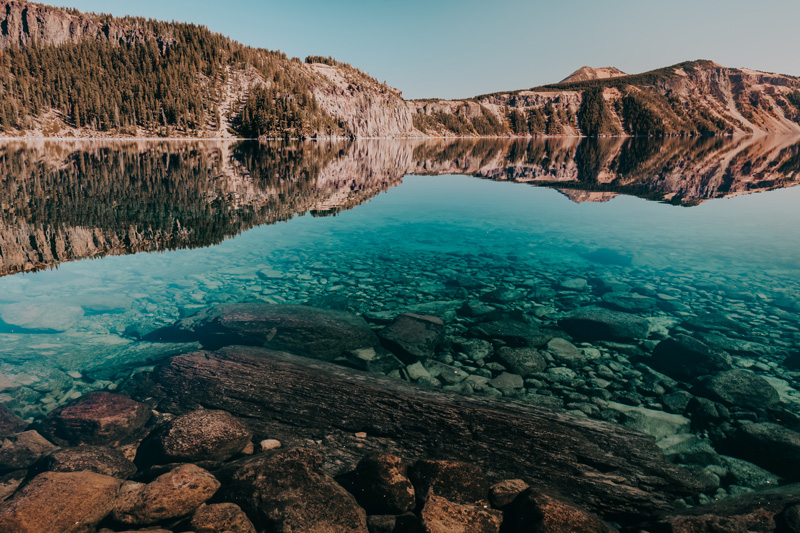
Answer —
(461, 48)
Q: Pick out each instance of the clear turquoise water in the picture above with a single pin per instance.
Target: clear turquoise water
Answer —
(394, 250)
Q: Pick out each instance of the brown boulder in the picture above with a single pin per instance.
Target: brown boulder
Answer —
(442, 516)
(227, 517)
(505, 492)
(21, 450)
(97, 418)
(97, 459)
(381, 487)
(203, 435)
(9, 422)
(288, 491)
(455, 481)
(59, 502)
(535, 511)
(174, 494)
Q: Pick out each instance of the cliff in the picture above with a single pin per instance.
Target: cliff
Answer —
(68, 74)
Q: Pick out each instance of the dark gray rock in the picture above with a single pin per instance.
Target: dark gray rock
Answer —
(413, 337)
(97, 459)
(288, 491)
(512, 332)
(202, 435)
(743, 388)
(317, 333)
(686, 358)
(768, 445)
(596, 323)
(522, 361)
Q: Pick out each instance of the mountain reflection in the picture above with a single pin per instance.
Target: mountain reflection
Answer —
(62, 201)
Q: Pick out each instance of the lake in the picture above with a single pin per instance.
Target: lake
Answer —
(615, 279)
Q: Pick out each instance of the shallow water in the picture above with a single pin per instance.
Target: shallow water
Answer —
(424, 227)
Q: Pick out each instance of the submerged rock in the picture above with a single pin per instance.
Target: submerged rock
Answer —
(743, 388)
(522, 361)
(288, 491)
(455, 481)
(227, 517)
(686, 358)
(512, 332)
(381, 487)
(97, 459)
(9, 422)
(768, 445)
(657, 424)
(59, 502)
(413, 337)
(21, 450)
(174, 494)
(318, 333)
(202, 435)
(28, 317)
(535, 510)
(596, 323)
(97, 418)
(440, 515)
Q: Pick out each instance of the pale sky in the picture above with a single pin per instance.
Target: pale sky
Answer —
(462, 48)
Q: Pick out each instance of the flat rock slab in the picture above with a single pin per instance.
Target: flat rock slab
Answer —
(596, 323)
(413, 337)
(302, 330)
(606, 468)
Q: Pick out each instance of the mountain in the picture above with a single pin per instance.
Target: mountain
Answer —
(69, 74)
(590, 73)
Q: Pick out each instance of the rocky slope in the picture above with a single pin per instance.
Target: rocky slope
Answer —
(326, 98)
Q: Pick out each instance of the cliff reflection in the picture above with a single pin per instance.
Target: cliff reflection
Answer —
(65, 201)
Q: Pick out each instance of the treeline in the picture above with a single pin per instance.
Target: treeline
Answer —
(171, 82)
(545, 120)
(460, 123)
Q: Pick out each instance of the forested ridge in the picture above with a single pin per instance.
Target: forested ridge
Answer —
(66, 73)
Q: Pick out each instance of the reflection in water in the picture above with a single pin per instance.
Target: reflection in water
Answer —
(66, 201)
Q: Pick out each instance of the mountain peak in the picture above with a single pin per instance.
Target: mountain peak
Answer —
(592, 73)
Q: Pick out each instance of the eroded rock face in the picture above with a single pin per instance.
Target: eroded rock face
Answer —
(455, 481)
(59, 502)
(174, 494)
(227, 517)
(413, 337)
(686, 358)
(288, 491)
(97, 459)
(318, 333)
(97, 418)
(442, 516)
(203, 435)
(596, 323)
(381, 486)
(537, 511)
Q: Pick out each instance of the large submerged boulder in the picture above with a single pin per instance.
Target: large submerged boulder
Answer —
(60, 502)
(596, 323)
(308, 331)
(202, 435)
(289, 491)
(686, 358)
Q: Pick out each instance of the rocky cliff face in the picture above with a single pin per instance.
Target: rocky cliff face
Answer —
(26, 23)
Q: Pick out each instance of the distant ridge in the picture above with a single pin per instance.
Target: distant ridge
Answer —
(591, 73)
